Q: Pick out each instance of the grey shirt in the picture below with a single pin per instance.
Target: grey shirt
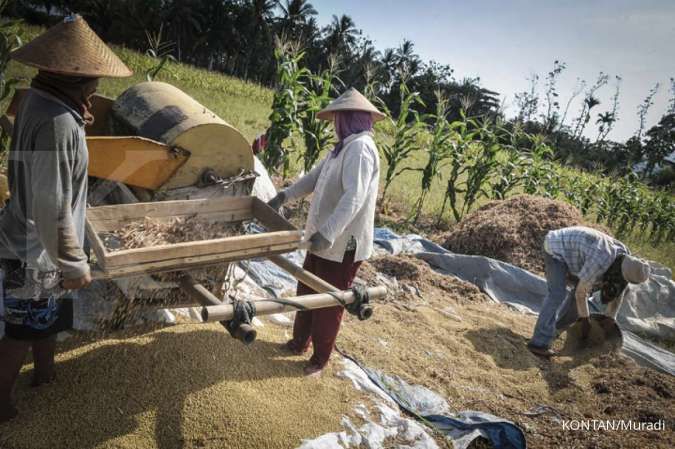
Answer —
(43, 222)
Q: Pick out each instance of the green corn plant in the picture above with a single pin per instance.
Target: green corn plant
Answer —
(407, 129)
(316, 133)
(507, 175)
(438, 150)
(284, 118)
(159, 50)
(538, 169)
(573, 190)
(481, 167)
(461, 140)
(580, 190)
(661, 218)
(620, 204)
(590, 193)
(509, 172)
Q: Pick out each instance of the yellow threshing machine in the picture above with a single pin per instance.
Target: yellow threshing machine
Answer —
(156, 152)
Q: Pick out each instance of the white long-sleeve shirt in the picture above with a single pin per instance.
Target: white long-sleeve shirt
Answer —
(345, 191)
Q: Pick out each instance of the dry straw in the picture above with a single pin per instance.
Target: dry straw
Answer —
(513, 230)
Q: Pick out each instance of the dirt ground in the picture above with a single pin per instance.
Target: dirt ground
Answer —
(455, 341)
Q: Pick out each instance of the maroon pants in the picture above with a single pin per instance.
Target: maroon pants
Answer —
(320, 326)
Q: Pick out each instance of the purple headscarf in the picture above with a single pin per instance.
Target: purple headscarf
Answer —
(348, 123)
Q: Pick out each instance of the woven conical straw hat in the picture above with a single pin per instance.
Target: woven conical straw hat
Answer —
(72, 48)
(352, 100)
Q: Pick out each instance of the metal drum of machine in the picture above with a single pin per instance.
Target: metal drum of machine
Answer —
(164, 113)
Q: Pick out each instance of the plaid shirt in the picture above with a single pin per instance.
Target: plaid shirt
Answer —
(587, 253)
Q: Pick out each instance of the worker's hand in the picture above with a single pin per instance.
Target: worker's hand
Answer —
(278, 201)
(318, 242)
(609, 326)
(585, 324)
(76, 283)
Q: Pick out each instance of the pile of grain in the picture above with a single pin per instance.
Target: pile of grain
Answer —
(513, 230)
(189, 386)
(152, 231)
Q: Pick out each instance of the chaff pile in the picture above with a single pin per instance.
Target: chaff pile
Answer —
(156, 232)
(513, 230)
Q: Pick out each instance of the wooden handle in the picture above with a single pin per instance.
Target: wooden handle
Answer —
(244, 333)
(225, 312)
(309, 279)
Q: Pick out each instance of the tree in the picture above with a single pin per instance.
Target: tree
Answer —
(608, 119)
(185, 24)
(407, 61)
(257, 37)
(340, 35)
(528, 101)
(296, 14)
(590, 101)
(643, 110)
(552, 116)
(660, 142)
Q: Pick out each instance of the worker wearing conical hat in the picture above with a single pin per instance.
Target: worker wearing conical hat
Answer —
(340, 220)
(599, 263)
(42, 225)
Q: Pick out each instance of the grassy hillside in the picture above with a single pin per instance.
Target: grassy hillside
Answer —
(247, 107)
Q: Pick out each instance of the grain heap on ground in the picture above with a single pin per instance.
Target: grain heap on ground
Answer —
(189, 386)
(513, 230)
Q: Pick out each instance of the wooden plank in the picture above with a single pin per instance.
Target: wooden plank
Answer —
(133, 160)
(223, 217)
(95, 243)
(269, 218)
(309, 279)
(226, 245)
(124, 212)
(306, 302)
(106, 218)
(189, 263)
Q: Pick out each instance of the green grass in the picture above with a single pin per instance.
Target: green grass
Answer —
(247, 107)
(244, 105)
